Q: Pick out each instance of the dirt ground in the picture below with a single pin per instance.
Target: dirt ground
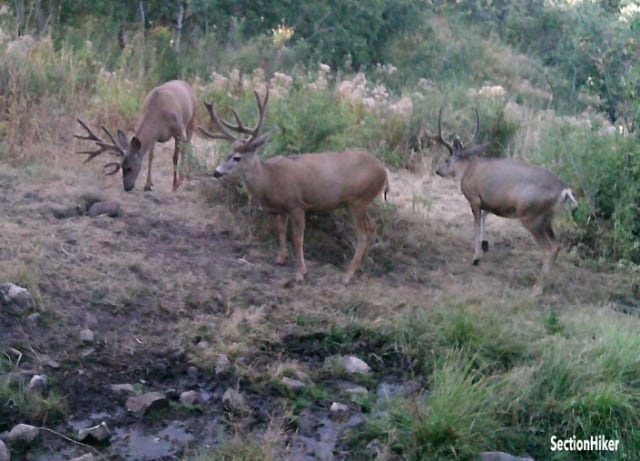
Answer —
(176, 268)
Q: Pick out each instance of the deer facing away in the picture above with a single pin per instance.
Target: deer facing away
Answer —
(288, 186)
(168, 111)
(508, 188)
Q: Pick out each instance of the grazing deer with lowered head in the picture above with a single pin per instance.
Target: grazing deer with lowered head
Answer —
(168, 111)
(288, 186)
(508, 188)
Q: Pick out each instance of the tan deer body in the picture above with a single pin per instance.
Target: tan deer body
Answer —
(508, 188)
(288, 186)
(168, 111)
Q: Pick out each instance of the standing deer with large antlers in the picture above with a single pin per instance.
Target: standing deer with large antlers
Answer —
(168, 111)
(288, 186)
(508, 188)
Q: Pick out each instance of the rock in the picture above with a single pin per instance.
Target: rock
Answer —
(190, 398)
(375, 449)
(222, 364)
(34, 317)
(95, 434)
(355, 391)
(143, 404)
(500, 456)
(110, 208)
(38, 384)
(4, 452)
(192, 373)
(86, 336)
(339, 411)
(118, 388)
(355, 365)
(87, 457)
(16, 299)
(22, 434)
(293, 384)
(234, 402)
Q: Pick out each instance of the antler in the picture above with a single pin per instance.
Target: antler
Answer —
(224, 126)
(103, 146)
(438, 138)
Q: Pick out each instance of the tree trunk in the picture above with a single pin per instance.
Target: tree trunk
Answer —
(179, 27)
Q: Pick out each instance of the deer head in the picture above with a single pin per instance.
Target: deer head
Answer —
(129, 152)
(241, 149)
(457, 151)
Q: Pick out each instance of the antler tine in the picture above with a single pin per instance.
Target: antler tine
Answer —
(438, 138)
(477, 129)
(103, 146)
(222, 126)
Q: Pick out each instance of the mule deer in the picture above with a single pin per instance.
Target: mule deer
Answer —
(508, 188)
(168, 111)
(288, 186)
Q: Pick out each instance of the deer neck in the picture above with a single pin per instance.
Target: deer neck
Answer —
(147, 136)
(254, 175)
(462, 165)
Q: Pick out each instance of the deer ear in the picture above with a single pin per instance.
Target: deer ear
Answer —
(261, 140)
(122, 139)
(135, 144)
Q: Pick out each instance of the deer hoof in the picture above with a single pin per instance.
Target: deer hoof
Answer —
(475, 262)
(148, 187)
(299, 277)
(485, 246)
(280, 260)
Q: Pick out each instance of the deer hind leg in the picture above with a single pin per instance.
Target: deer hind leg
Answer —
(281, 224)
(149, 184)
(177, 177)
(365, 231)
(542, 231)
(297, 221)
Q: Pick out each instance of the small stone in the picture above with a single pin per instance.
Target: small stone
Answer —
(354, 391)
(192, 373)
(222, 364)
(22, 433)
(500, 456)
(142, 404)
(86, 457)
(123, 388)
(109, 208)
(355, 365)
(15, 298)
(4, 452)
(34, 317)
(86, 335)
(234, 401)
(375, 449)
(293, 384)
(190, 398)
(339, 411)
(38, 384)
(95, 434)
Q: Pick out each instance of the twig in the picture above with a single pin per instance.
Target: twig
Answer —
(69, 439)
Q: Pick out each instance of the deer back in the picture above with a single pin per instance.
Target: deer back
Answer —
(317, 181)
(510, 187)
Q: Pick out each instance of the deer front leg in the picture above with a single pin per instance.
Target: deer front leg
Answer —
(477, 232)
(484, 242)
(149, 184)
(297, 221)
(281, 224)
